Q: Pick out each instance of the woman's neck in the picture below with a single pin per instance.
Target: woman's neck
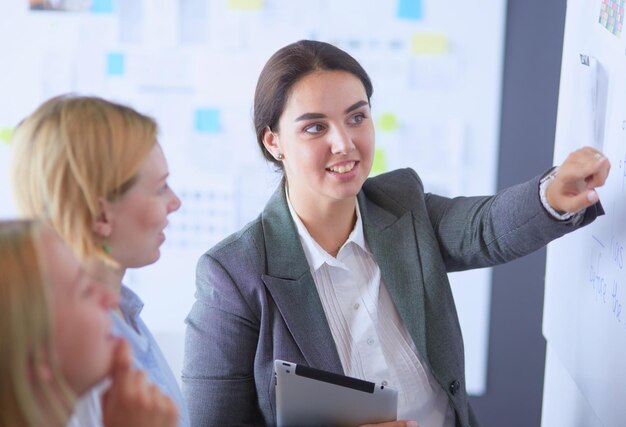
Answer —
(329, 224)
(107, 275)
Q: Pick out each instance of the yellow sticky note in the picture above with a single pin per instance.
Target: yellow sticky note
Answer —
(429, 44)
(387, 122)
(380, 162)
(5, 135)
(245, 4)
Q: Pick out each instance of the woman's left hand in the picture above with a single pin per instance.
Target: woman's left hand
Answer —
(573, 188)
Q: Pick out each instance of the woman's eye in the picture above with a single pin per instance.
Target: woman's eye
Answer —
(315, 128)
(357, 118)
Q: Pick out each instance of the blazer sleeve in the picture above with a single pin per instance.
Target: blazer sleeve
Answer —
(221, 336)
(475, 232)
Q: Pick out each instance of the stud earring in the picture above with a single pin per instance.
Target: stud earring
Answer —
(279, 156)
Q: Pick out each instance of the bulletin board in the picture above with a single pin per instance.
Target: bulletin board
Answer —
(193, 64)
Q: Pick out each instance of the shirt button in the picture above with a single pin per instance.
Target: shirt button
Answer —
(356, 306)
(454, 387)
(370, 341)
(384, 383)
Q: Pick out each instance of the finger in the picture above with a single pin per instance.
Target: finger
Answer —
(582, 201)
(171, 412)
(120, 369)
(141, 386)
(122, 358)
(584, 176)
(581, 164)
(590, 150)
(167, 410)
(154, 396)
(599, 175)
(130, 388)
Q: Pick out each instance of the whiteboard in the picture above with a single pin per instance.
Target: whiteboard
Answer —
(193, 64)
(584, 317)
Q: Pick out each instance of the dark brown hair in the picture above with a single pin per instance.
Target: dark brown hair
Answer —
(284, 69)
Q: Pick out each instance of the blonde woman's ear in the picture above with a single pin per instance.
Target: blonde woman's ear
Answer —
(39, 371)
(102, 224)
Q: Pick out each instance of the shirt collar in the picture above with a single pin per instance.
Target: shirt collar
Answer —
(130, 304)
(316, 256)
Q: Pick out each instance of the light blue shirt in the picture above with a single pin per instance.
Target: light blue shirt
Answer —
(147, 357)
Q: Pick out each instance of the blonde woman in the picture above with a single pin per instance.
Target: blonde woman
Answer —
(95, 172)
(57, 321)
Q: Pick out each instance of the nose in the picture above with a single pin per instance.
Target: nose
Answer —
(341, 140)
(174, 203)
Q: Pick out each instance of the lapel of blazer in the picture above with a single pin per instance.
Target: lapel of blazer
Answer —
(393, 242)
(291, 285)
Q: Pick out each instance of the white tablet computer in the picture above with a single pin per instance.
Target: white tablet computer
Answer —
(308, 396)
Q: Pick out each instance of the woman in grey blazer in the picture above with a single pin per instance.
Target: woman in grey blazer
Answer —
(348, 273)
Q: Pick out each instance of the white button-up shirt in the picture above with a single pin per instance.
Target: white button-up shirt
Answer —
(372, 342)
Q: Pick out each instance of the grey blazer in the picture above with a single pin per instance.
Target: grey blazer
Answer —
(256, 300)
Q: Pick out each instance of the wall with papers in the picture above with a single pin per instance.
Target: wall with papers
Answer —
(193, 64)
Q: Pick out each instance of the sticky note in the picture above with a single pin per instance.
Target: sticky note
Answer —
(115, 64)
(410, 9)
(245, 4)
(207, 120)
(5, 135)
(612, 16)
(429, 44)
(380, 162)
(387, 122)
(102, 6)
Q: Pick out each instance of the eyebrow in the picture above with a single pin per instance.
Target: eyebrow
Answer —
(309, 116)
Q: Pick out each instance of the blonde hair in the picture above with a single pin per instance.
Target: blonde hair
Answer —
(72, 152)
(26, 331)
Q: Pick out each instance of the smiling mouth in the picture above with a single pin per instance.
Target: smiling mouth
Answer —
(347, 167)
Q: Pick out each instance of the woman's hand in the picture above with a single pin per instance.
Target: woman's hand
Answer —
(573, 188)
(131, 400)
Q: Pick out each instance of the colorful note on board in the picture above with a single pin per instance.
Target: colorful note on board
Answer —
(244, 4)
(207, 120)
(410, 9)
(429, 44)
(102, 6)
(387, 122)
(5, 135)
(115, 64)
(379, 164)
(612, 16)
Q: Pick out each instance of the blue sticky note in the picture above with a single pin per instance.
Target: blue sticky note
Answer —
(410, 9)
(115, 64)
(207, 120)
(102, 6)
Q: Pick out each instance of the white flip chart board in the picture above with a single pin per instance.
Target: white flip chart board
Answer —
(584, 314)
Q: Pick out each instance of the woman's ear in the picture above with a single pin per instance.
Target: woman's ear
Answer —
(39, 370)
(270, 141)
(102, 225)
